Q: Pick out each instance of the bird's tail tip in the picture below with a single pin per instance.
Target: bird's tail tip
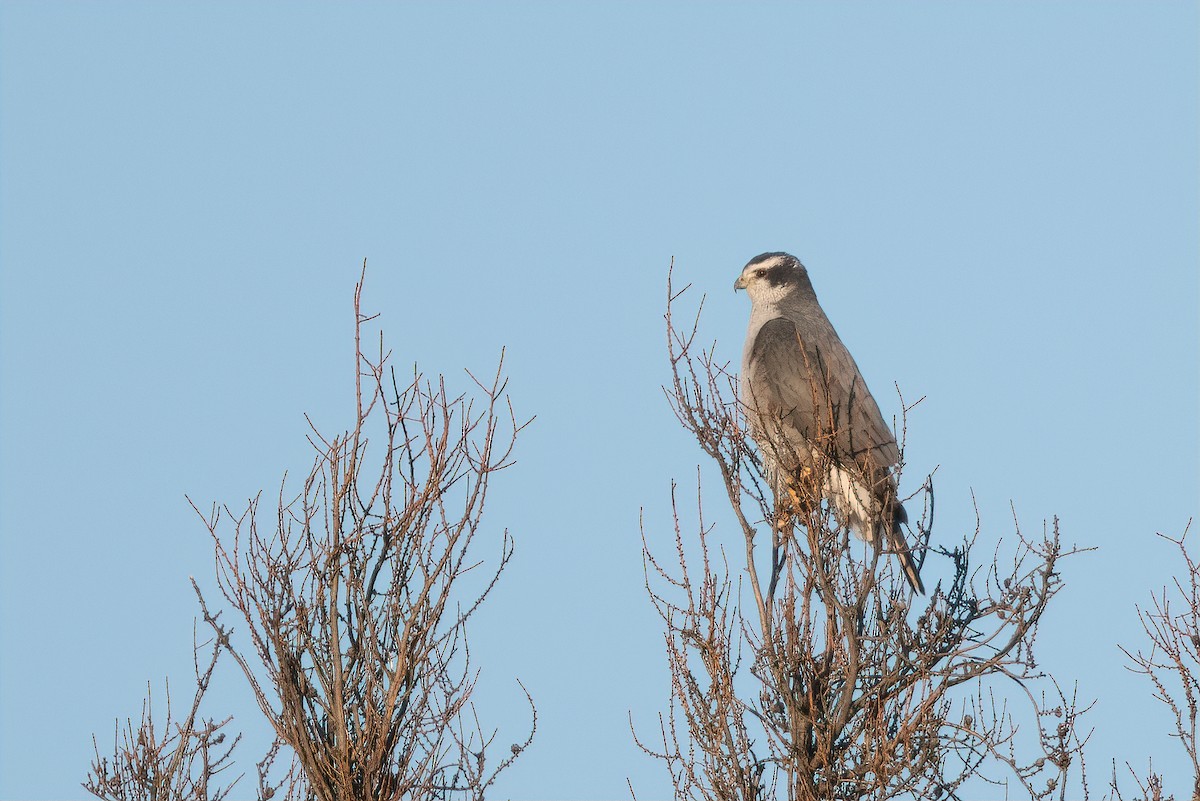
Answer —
(912, 573)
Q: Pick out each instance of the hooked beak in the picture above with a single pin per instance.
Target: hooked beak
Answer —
(739, 284)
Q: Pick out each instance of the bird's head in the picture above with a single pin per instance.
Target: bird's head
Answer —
(772, 276)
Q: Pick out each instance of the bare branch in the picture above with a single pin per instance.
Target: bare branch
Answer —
(1171, 665)
(169, 759)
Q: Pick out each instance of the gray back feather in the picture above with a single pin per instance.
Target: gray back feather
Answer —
(801, 381)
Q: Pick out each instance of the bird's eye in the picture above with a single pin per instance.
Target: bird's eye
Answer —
(760, 273)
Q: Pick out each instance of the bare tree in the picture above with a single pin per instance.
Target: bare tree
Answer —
(351, 601)
(806, 671)
(1172, 665)
(174, 759)
(355, 599)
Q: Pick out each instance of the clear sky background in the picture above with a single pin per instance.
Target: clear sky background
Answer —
(997, 203)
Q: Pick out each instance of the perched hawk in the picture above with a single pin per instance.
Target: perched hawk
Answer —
(811, 413)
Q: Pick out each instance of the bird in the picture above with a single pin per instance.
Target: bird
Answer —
(811, 414)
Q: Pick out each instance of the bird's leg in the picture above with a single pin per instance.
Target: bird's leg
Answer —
(801, 501)
(783, 519)
(794, 505)
(804, 502)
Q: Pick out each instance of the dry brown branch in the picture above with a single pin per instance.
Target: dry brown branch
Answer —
(282, 785)
(1172, 666)
(355, 593)
(172, 760)
(832, 682)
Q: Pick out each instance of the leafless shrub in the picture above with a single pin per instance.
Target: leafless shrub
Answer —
(174, 759)
(356, 595)
(1172, 665)
(830, 682)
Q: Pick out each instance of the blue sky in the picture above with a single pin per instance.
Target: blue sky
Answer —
(997, 203)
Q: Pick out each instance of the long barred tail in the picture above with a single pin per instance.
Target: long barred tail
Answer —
(898, 545)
